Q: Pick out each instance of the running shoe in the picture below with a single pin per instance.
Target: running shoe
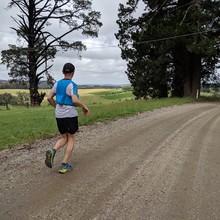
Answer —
(50, 154)
(65, 167)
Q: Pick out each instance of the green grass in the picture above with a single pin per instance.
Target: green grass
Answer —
(130, 107)
(116, 94)
(22, 125)
(25, 125)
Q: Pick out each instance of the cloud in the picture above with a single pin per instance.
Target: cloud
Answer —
(101, 63)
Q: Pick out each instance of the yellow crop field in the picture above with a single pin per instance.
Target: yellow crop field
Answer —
(12, 91)
(82, 92)
(90, 96)
(90, 91)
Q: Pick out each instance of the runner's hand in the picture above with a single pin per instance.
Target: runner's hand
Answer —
(85, 111)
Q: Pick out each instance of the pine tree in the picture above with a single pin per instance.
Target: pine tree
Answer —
(171, 46)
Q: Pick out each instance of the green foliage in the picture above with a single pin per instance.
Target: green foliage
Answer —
(5, 99)
(21, 99)
(172, 46)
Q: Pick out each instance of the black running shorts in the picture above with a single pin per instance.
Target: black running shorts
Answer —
(67, 125)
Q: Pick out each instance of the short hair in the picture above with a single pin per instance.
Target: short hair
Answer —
(68, 68)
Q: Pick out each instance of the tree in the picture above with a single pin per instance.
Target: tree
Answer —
(172, 46)
(5, 99)
(22, 98)
(29, 62)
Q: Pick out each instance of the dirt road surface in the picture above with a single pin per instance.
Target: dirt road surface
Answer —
(159, 165)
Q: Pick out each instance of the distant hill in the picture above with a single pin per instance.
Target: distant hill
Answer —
(5, 84)
(44, 85)
(2, 80)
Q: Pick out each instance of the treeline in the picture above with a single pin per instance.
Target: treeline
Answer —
(21, 99)
(4, 84)
(12, 85)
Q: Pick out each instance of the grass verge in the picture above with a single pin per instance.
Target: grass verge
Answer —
(25, 125)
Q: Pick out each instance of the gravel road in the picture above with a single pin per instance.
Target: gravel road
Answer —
(159, 165)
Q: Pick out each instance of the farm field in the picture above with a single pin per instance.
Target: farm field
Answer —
(24, 125)
(90, 96)
(81, 91)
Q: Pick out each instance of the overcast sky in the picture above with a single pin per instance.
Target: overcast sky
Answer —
(100, 64)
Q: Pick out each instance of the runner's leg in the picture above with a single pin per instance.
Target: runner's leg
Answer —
(69, 147)
(61, 142)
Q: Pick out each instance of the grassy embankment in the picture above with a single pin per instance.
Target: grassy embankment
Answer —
(21, 125)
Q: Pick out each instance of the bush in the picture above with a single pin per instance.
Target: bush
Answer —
(22, 99)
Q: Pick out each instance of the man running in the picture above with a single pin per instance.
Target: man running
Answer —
(66, 92)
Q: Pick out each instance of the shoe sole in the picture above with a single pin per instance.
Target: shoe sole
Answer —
(48, 160)
(65, 171)
(62, 172)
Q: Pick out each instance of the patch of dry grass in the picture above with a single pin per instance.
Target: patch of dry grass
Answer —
(82, 92)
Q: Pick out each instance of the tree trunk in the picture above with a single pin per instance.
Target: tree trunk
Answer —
(34, 79)
(33, 93)
(6, 105)
(187, 78)
(35, 97)
(192, 82)
(179, 56)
